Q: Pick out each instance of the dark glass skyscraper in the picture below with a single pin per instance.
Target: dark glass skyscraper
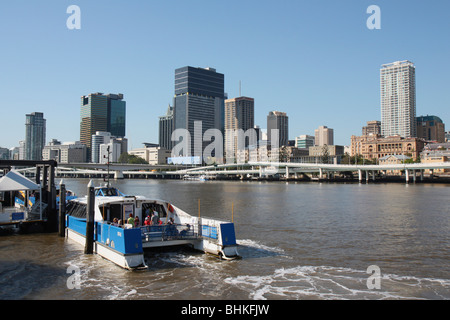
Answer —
(277, 120)
(199, 96)
(166, 129)
(35, 129)
(94, 117)
(101, 112)
(116, 115)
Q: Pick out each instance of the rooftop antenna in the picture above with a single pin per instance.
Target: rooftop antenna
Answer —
(239, 88)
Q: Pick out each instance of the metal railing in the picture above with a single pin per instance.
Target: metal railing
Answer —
(169, 232)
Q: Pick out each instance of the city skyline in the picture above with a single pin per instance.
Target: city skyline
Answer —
(319, 63)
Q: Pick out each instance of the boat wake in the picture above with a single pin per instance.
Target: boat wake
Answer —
(179, 274)
(324, 282)
(254, 249)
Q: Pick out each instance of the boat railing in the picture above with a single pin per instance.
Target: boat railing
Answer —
(169, 232)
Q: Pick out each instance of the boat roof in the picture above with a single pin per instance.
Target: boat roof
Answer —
(115, 196)
(116, 199)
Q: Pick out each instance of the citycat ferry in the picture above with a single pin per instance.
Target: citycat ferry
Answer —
(124, 244)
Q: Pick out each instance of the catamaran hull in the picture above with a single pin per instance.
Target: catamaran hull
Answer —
(226, 253)
(126, 261)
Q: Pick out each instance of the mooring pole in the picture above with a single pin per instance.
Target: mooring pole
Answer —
(89, 246)
(62, 209)
(52, 216)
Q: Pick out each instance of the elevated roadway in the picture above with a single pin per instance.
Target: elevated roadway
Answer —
(257, 169)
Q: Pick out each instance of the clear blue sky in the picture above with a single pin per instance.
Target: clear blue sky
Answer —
(314, 59)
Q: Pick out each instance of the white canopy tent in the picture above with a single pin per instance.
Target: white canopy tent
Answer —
(14, 181)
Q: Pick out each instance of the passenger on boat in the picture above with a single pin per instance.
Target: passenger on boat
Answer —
(131, 220)
(171, 229)
(147, 221)
(184, 232)
(137, 223)
(155, 218)
(115, 222)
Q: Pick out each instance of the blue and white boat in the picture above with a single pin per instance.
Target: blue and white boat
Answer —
(124, 244)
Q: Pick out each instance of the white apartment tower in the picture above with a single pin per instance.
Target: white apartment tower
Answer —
(398, 99)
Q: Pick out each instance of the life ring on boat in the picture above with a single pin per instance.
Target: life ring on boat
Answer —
(170, 208)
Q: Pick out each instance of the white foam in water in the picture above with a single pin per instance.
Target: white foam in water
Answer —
(176, 274)
(257, 245)
(131, 292)
(324, 282)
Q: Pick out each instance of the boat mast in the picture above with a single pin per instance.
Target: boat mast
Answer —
(107, 164)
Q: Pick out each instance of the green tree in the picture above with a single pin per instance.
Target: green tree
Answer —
(131, 159)
(123, 157)
(325, 154)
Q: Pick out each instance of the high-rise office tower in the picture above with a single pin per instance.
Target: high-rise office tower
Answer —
(35, 129)
(116, 115)
(199, 97)
(239, 114)
(101, 112)
(94, 117)
(398, 99)
(324, 136)
(279, 121)
(166, 129)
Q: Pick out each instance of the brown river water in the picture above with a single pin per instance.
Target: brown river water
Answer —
(297, 241)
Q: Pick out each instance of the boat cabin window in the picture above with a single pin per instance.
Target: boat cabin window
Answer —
(76, 209)
(122, 211)
(148, 208)
(107, 192)
(115, 211)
